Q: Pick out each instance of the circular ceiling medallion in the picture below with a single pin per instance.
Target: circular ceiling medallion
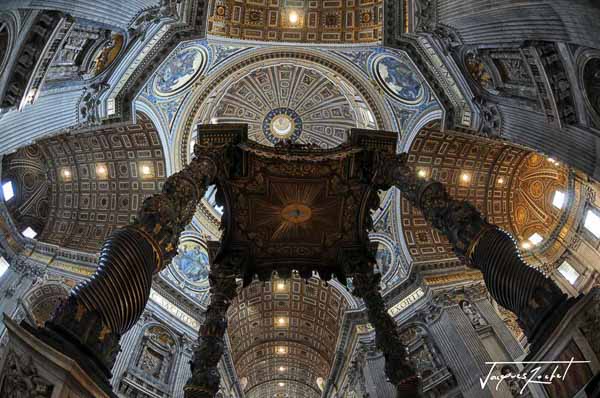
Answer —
(398, 79)
(192, 263)
(180, 71)
(384, 259)
(282, 124)
(296, 213)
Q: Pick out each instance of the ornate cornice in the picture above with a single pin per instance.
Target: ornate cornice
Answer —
(190, 24)
(423, 50)
(465, 276)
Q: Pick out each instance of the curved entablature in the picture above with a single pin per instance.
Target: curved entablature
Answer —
(307, 22)
(283, 335)
(292, 101)
(211, 81)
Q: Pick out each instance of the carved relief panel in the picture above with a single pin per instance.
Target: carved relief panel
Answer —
(85, 53)
(428, 360)
(153, 364)
(157, 354)
(502, 72)
(21, 379)
(473, 314)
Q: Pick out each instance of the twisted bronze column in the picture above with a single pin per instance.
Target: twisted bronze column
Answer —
(398, 369)
(205, 379)
(88, 325)
(536, 300)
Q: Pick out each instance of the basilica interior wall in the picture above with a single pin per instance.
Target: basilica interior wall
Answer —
(105, 12)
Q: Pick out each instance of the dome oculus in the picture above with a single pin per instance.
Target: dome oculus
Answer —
(282, 124)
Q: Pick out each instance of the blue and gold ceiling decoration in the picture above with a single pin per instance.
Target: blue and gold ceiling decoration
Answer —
(293, 100)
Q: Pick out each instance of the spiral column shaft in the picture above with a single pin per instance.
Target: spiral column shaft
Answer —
(205, 379)
(387, 338)
(89, 324)
(533, 297)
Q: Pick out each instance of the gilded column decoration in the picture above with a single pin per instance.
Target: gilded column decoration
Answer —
(512, 323)
(387, 338)
(205, 379)
(534, 298)
(88, 325)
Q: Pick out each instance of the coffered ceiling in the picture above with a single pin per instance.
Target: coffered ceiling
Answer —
(311, 21)
(283, 336)
(513, 187)
(76, 189)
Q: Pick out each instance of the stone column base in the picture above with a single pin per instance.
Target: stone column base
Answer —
(31, 368)
(576, 337)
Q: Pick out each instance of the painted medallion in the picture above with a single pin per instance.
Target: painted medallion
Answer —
(180, 71)
(398, 79)
(192, 263)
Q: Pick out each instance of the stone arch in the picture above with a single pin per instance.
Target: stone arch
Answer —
(9, 23)
(194, 108)
(27, 172)
(425, 119)
(4, 43)
(42, 300)
(588, 63)
(280, 344)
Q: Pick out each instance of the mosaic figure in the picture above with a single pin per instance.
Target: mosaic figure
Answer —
(399, 80)
(192, 264)
(179, 71)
